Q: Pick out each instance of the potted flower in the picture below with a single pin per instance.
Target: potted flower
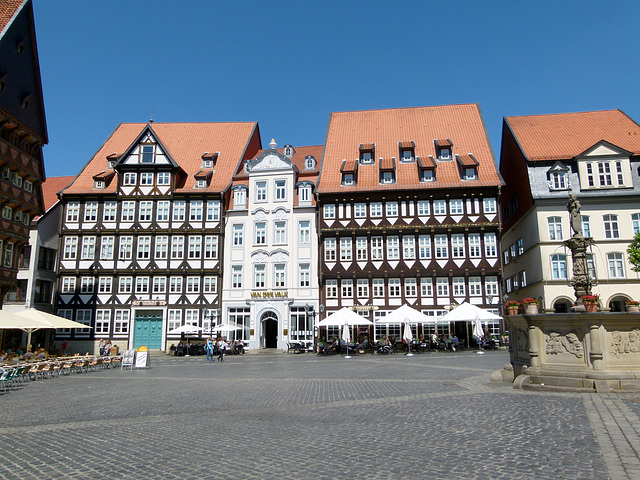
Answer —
(512, 307)
(633, 306)
(591, 302)
(530, 305)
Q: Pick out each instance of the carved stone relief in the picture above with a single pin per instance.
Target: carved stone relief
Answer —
(522, 340)
(569, 343)
(624, 342)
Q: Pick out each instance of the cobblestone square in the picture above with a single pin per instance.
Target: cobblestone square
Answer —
(301, 416)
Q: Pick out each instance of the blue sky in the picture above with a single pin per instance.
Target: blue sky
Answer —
(289, 64)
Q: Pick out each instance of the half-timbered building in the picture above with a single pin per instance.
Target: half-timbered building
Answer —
(141, 233)
(270, 290)
(23, 132)
(408, 214)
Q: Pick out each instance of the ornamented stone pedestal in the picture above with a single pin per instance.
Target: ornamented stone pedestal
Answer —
(581, 352)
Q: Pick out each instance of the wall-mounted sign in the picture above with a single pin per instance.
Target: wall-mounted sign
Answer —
(363, 307)
(149, 303)
(270, 294)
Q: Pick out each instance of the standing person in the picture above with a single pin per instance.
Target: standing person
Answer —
(209, 347)
(101, 346)
(107, 348)
(221, 348)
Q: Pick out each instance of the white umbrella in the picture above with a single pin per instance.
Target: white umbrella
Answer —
(225, 328)
(54, 320)
(408, 338)
(346, 337)
(471, 314)
(468, 313)
(342, 317)
(13, 321)
(406, 314)
(187, 330)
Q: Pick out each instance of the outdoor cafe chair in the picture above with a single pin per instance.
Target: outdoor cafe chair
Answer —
(7, 378)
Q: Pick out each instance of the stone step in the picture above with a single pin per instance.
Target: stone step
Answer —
(555, 388)
(562, 381)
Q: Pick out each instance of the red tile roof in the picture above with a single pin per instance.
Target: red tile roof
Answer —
(566, 135)
(466, 160)
(50, 188)
(186, 143)
(462, 124)
(8, 9)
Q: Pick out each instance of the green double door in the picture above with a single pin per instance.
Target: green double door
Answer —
(148, 329)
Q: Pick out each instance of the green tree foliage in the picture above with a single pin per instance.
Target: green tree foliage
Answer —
(634, 253)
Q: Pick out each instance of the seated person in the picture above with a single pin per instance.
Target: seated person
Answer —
(40, 354)
(365, 344)
(28, 356)
(238, 347)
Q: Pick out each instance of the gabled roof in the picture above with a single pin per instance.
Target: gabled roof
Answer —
(50, 188)
(8, 9)
(185, 143)
(462, 124)
(564, 136)
(22, 97)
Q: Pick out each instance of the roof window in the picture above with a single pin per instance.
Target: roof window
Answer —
(367, 152)
(407, 151)
(444, 149)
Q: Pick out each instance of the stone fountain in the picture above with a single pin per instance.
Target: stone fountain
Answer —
(577, 351)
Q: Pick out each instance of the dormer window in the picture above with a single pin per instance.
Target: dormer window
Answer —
(209, 159)
(349, 170)
(98, 184)
(388, 170)
(558, 177)
(558, 181)
(367, 151)
(444, 150)
(288, 151)
(111, 160)
(470, 173)
(407, 151)
(147, 154)
(203, 177)
(309, 162)
(428, 176)
(468, 166)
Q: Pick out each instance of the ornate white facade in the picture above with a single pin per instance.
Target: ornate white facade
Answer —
(270, 285)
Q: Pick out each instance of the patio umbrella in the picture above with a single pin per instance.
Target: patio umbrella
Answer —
(408, 338)
(186, 329)
(342, 317)
(346, 336)
(54, 320)
(225, 328)
(406, 314)
(471, 314)
(13, 321)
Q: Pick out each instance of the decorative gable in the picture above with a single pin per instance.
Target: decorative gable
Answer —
(270, 160)
(147, 149)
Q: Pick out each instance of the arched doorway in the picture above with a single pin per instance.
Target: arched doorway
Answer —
(269, 321)
(616, 304)
(562, 305)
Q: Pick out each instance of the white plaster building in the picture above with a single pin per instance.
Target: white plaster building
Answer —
(597, 158)
(270, 282)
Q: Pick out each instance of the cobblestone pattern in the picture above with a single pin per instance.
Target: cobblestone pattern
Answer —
(301, 416)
